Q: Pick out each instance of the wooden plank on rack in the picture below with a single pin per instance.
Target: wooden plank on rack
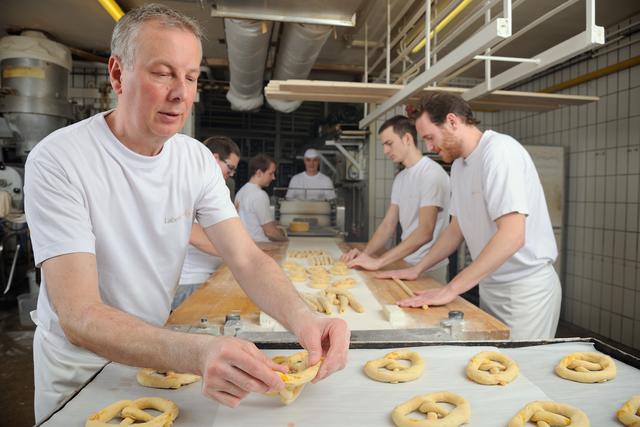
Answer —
(376, 93)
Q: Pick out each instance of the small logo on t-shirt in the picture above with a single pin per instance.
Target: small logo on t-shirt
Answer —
(172, 219)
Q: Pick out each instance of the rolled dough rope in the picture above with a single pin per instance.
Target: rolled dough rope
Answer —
(428, 404)
(590, 367)
(552, 413)
(491, 368)
(157, 379)
(407, 290)
(132, 410)
(388, 370)
(629, 413)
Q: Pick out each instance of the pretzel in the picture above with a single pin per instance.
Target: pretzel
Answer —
(490, 368)
(319, 280)
(345, 283)
(629, 414)
(551, 413)
(159, 379)
(586, 367)
(339, 269)
(290, 265)
(300, 373)
(298, 276)
(437, 416)
(132, 410)
(388, 370)
(353, 302)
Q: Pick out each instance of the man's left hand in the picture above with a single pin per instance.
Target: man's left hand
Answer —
(438, 296)
(328, 338)
(366, 262)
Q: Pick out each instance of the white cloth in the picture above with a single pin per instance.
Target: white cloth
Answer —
(529, 306)
(311, 187)
(498, 178)
(253, 206)
(423, 184)
(86, 192)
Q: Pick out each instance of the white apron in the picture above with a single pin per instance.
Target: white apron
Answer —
(530, 307)
(59, 368)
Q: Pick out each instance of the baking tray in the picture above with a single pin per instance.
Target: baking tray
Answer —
(350, 398)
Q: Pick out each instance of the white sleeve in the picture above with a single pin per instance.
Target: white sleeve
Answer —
(505, 188)
(214, 204)
(55, 208)
(434, 191)
(261, 208)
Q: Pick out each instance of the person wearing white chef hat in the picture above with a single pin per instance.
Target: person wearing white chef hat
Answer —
(311, 184)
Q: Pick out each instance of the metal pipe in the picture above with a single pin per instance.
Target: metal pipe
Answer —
(455, 12)
(594, 75)
(13, 268)
(112, 9)
(388, 40)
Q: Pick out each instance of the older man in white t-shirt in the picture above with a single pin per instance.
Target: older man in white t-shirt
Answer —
(252, 201)
(110, 203)
(311, 184)
(419, 203)
(498, 207)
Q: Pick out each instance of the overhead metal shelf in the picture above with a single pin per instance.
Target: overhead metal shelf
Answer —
(377, 93)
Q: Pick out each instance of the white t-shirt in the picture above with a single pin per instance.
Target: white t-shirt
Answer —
(311, 187)
(198, 266)
(253, 207)
(498, 178)
(86, 192)
(423, 184)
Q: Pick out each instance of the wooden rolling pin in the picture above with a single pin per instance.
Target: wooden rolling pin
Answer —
(408, 290)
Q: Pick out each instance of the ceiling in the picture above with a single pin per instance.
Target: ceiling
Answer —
(83, 24)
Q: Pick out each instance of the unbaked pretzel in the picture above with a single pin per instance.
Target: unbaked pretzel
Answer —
(345, 283)
(300, 373)
(388, 370)
(490, 368)
(169, 379)
(589, 367)
(437, 416)
(629, 414)
(551, 413)
(339, 269)
(132, 410)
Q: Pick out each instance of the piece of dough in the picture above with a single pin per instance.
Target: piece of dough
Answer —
(388, 370)
(437, 416)
(300, 373)
(133, 410)
(552, 413)
(629, 413)
(490, 368)
(590, 367)
(156, 379)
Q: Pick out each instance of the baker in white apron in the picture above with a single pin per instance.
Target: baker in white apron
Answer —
(498, 208)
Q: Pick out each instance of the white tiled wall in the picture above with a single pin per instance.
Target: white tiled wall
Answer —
(601, 280)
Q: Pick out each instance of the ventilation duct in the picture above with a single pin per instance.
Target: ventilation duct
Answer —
(299, 47)
(247, 47)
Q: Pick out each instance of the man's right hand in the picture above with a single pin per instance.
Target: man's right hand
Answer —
(353, 253)
(232, 368)
(410, 273)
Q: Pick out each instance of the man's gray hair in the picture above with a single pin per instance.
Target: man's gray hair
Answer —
(125, 33)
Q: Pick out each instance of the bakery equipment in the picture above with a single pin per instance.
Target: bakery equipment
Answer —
(325, 217)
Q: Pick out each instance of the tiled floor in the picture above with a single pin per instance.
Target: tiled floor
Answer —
(16, 375)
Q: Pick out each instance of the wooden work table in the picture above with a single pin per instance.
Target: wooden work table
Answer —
(221, 295)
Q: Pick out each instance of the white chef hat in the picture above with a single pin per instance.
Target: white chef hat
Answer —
(311, 153)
